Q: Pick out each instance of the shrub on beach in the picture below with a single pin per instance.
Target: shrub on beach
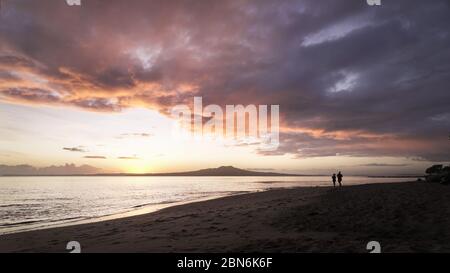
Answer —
(438, 174)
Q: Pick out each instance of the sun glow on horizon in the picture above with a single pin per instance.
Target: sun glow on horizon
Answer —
(138, 168)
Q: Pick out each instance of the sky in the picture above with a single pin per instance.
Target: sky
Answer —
(362, 89)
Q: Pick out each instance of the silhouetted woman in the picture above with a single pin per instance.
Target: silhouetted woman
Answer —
(334, 179)
(339, 177)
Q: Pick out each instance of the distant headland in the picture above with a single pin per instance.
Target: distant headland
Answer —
(220, 171)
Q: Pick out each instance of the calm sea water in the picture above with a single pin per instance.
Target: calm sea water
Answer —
(37, 202)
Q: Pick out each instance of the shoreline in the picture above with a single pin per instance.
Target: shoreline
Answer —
(135, 211)
(147, 208)
(404, 217)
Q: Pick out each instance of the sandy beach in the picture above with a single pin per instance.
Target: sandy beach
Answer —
(403, 217)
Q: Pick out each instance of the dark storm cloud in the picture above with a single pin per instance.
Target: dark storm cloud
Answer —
(37, 95)
(30, 94)
(96, 104)
(350, 79)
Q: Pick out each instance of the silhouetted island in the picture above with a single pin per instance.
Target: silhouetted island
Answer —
(75, 171)
(221, 171)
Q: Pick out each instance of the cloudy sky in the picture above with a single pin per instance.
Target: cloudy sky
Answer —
(363, 89)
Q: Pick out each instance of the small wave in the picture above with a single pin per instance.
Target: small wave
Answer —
(46, 221)
(21, 205)
(21, 223)
(195, 194)
(11, 205)
(273, 182)
(66, 219)
(156, 203)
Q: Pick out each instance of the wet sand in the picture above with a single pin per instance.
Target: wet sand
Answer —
(403, 217)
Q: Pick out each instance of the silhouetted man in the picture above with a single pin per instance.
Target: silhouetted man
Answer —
(339, 177)
(334, 179)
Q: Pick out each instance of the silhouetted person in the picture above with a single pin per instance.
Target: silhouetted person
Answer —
(334, 179)
(339, 177)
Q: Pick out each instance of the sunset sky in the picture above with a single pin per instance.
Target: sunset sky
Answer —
(361, 89)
